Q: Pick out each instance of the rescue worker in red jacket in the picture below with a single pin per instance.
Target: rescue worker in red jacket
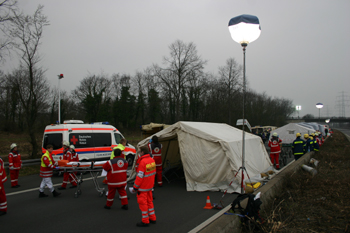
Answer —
(71, 156)
(143, 185)
(275, 144)
(116, 176)
(15, 164)
(155, 149)
(46, 171)
(121, 147)
(3, 178)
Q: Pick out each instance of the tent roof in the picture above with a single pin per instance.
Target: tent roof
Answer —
(288, 132)
(211, 153)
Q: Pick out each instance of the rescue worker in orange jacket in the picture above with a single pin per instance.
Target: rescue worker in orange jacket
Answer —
(155, 149)
(15, 164)
(116, 176)
(143, 185)
(3, 178)
(46, 171)
(275, 144)
(71, 156)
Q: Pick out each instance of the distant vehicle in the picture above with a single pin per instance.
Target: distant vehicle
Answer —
(261, 129)
(93, 141)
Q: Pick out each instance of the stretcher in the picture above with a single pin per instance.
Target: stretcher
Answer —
(78, 169)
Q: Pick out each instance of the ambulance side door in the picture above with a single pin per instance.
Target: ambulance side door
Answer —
(82, 139)
(102, 143)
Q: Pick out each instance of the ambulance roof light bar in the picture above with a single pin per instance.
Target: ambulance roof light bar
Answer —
(100, 123)
(73, 122)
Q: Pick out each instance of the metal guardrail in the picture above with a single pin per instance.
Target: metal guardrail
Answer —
(28, 162)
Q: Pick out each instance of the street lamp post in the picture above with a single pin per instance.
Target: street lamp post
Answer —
(59, 98)
(319, 106)
(298, 108)
(244, 29)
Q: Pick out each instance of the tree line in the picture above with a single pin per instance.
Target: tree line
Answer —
(177, 90)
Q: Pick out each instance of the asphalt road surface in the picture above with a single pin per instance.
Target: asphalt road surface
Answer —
(176, 209)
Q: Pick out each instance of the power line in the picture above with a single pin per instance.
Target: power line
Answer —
(342, 102)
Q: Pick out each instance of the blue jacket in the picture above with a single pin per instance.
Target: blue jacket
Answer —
(298, 146)
(308, 146)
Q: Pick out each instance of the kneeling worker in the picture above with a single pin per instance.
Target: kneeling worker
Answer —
(116, 177)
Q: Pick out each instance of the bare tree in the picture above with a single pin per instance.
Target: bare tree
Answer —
(231, 77)
(7, 7)
(94, 94)
(180, 66)
(26, 31)
(33, 94)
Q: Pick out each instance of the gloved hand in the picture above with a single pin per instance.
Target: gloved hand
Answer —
(57, 168)
(150, 140)
(132, 190)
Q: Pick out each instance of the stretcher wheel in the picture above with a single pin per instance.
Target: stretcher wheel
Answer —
(101, 193)
(75, 195)
(79, 191)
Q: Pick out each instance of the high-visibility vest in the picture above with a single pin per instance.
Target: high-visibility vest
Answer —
(120, 147)
(47, 154)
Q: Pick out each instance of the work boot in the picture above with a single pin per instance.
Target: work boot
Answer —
(107, 207)
(61, 188)
(2, 213)
(142, 224)
(42, 194)
(55, 193)
(154, 222)
(73, 186)
(125, 207)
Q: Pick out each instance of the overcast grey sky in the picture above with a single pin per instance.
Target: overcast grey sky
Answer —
(302, 53)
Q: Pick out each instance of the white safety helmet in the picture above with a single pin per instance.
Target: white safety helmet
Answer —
(275, 134)
(13, 145)
(65, 143)
(72, 147)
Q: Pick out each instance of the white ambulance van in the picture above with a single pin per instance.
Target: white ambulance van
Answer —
(93, 141)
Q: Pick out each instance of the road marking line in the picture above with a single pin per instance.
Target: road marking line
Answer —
(37, 189)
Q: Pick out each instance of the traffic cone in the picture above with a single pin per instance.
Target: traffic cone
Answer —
(208, 205)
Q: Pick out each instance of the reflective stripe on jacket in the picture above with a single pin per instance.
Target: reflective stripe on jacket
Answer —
(47, 165)
(156, 151)
(275, 145)
(3, 176)
(15, 161)
(116, 172)
(298, 146)
(145, 174)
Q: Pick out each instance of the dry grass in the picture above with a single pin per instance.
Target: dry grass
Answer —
(315, 204)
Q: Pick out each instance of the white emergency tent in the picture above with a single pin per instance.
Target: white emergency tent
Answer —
(211, 154)
(288, 132)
